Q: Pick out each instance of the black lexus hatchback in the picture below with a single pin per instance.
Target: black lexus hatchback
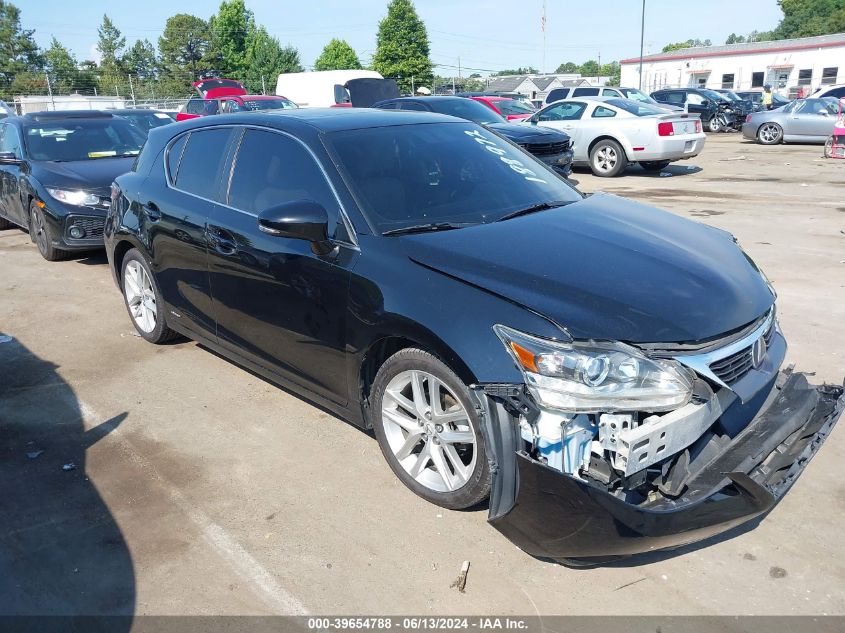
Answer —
(56, 169)
(606, 374)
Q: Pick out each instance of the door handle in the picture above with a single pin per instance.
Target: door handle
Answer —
(152, 211)
(222, 241)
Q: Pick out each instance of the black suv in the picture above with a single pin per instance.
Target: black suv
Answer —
(56, 169)
(706, 103)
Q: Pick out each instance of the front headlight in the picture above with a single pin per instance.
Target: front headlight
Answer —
(75, 197)
(596, 376)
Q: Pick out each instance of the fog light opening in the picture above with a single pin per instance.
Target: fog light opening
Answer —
(77, 232)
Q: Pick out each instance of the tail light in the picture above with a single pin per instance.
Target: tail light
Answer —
(665, 129)
(698, 126)
(748, 119)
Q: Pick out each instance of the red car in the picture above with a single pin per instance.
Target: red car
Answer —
(222, 96)
(511, 109)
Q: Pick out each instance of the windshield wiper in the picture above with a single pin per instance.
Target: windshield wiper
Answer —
(425, 228)
(542, 206)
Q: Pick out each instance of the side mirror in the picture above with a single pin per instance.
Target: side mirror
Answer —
(299, 220)
(9, 158)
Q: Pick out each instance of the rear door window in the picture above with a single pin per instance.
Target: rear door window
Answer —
(585, 92)
(201, 168)
(677, 98)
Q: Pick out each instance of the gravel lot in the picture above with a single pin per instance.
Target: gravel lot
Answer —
(198, 488)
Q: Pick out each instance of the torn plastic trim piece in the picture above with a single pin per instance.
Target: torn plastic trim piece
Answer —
(561, 517)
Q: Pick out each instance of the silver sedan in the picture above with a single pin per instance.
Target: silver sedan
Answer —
(609, 133)
(803, 120)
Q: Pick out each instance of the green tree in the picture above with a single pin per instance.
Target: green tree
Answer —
(688, 44)
(402, 49)
(567, 67)
(733, 38)
(266, 58)
(337, 55)
(60, 65)
(88, 78)
(18, 50)
(141, 60)
(590, 68)
(806, 18)
(529, 70)
(612, 70)
(110, 44)
(232, 27)
(185, 51)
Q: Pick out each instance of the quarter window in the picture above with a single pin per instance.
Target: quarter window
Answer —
(602, 113)
(272, 169)
(173, 156)
(829, 75)
(202, 162)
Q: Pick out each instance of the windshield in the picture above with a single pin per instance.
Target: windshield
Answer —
(635, 95)
(456, 173)
(635, 108)
(730, 95)
(145, 119)
(468, 109)
(268, 104)
(82, 139)
(512, 106)
(715, 96)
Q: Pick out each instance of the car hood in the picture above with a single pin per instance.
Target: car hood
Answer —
(95, 175)
(522, 133)
(607, 268)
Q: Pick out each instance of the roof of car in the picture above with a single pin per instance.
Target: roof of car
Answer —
(494, 98)
(321, 119)
(60, 115)
(426, 98)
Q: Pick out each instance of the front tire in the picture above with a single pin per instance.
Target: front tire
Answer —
(770, 134)
(429, 431)
(608, 159)
(143, 299)
(654, 165)
(828, 150)
(714, 125)
(41, 233)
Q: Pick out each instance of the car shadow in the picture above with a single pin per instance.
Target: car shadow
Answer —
(636, 171)
(91, 258)
(61, 550)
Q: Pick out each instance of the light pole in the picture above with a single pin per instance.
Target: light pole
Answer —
(642, 42)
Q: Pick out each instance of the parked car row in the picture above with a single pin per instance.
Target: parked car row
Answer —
(578, 361)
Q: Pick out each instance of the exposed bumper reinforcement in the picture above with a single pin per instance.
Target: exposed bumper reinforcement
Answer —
(558, 516)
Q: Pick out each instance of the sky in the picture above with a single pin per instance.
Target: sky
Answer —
(487, 36)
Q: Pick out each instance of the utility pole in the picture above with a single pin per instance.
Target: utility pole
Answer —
(453, 84)
(131, 89)
(263, 86)
(412, 85)
(543, 27)
(642, 41)
(598, 72)
(50, 91)
(459, 67)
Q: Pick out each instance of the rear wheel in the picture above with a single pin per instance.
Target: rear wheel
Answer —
(828, 149)
(143, 299)
(654, 165)
(770, 134)
(42, 235)
(429, 431)
(607, 159)
(714, 124)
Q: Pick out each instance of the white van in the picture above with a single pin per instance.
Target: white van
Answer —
(320, 89)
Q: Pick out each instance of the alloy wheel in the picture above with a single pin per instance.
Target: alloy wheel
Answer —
(429, 431)
(140, 296)
(770, 133)
(39, 232)
(605, 159)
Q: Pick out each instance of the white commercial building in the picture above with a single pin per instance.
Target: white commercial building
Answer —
(787, 65)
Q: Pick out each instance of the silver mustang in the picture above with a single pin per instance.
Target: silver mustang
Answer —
(803, 121)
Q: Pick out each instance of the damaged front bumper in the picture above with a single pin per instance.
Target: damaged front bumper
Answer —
(551, 514)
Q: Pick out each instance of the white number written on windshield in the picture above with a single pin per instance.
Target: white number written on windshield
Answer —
(494, 148)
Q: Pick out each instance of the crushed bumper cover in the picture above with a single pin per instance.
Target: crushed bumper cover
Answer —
(553, 515)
